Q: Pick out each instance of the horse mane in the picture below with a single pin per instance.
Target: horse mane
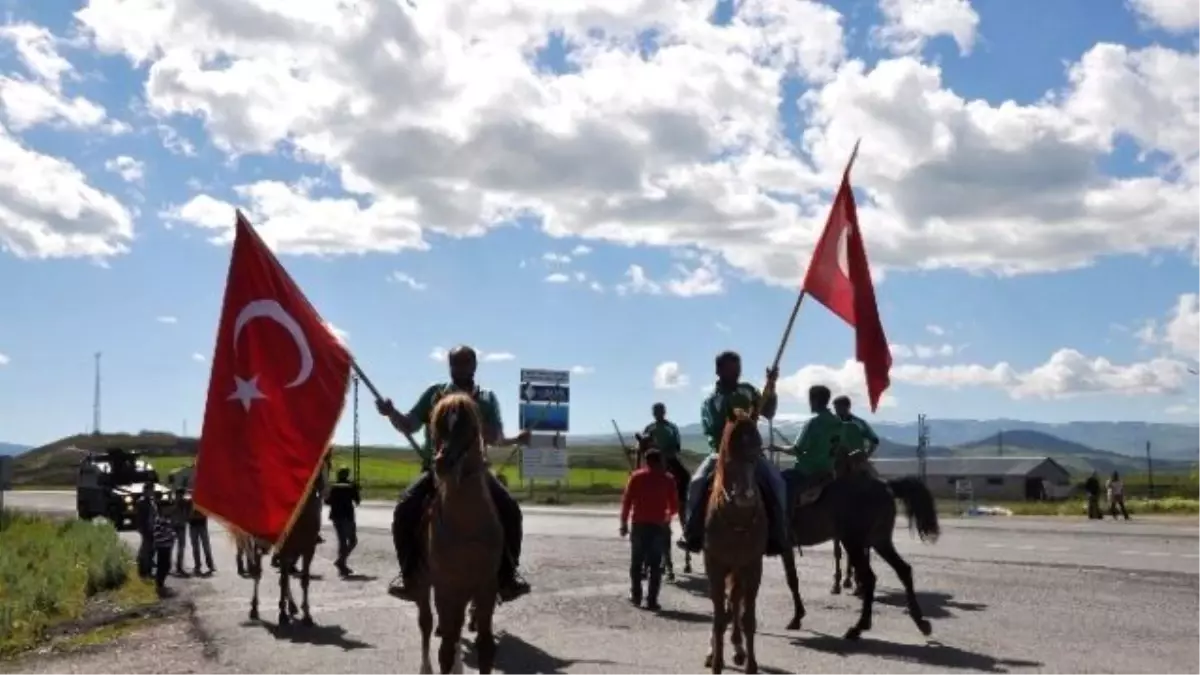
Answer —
(443, 421)
(739, 417)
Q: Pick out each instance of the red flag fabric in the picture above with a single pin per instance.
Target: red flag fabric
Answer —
(839, 277)
(278, 385)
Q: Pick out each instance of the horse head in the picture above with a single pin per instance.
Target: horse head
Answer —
(735, 480)
(456, 427)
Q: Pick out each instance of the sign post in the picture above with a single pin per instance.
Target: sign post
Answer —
(545, 410)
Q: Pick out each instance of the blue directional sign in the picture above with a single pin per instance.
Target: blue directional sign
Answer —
(545, 397)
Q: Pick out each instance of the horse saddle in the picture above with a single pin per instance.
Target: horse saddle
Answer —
(810, 490)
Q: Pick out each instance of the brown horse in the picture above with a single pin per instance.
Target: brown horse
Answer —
(735, 542)
(299, 546)
(463, 540)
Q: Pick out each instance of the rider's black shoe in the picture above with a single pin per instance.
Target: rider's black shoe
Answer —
(513, 587)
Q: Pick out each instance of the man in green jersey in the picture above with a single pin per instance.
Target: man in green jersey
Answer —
(730, 393)
(858, 434)
(407, 516)
(815, 446)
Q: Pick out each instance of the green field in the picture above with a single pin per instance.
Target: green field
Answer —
(52, 571)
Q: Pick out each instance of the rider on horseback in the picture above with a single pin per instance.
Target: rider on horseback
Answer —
(858, 434)
(728, 394)
(814, 447)
(407, 517)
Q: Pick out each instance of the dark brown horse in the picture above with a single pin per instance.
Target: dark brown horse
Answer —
(860, 512)
(463, 541)
(735, 536)
(299, 546)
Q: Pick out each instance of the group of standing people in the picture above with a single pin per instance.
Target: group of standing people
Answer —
(653, 494)
(168, 525)
(1115, 489)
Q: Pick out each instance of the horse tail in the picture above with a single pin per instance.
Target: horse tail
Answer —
(918, 506)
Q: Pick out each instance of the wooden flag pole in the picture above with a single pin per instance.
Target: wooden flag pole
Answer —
(379, 398)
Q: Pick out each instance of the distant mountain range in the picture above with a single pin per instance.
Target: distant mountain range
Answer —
(12, 448)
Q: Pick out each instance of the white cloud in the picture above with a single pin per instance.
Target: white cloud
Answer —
(557, 278)
(846, 379)
(199, 358)
(1181, 409)
(441, 354)
(702, 279)
(4, 360)
(343, 336)
(908, 24)
(668, 375)
(935, 329)
(1182, 332)
(1176, 16)
(724, 328)
(39, 99)
(167, 319)
(582, 370)
(596, 286)
(128, 168)
(559, 258)
(398, 277)
(437, 118)
(48, 209)
(581, 250)
(921, 351)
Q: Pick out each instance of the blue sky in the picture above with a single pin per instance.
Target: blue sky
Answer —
(1014, 203)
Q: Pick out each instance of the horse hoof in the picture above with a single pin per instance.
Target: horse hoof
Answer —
(739, 660)
(751, 667)
(284, 620)
(687, 569)
(254, 615)
(836, 590)
(307, 622)
(708, 661)
(925, 627)
(794, 624)
(853, 633)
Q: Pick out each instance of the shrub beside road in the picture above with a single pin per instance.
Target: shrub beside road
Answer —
(53, 571)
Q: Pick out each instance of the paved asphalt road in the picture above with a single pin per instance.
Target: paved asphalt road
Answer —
(1004, 595)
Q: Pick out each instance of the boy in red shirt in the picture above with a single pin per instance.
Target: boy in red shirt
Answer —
(652, 498)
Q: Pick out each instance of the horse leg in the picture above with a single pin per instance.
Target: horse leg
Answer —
(837, 568)
(716, 592)
(857, 582)
(735, 618)
(450, 622)
(857, 554)
(750, 616)
(482, 612)
(305, 568)
(473, 618)
(793, 582)
(255, 568)
(687, 555)
(887, 551)
(285, 593)
(425, 622)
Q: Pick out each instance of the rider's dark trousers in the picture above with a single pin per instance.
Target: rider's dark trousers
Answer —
(407, 516)
(647, 542)
(347, 537)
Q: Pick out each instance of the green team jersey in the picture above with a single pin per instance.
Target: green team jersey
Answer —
(857, 434)
(814, 447)
(718, 408)
(489, 407)
(665, 436)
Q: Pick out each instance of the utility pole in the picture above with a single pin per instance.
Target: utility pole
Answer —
(1000, 443)
(185, 428)
(96, 400)
(1149, 472)
(922, 446)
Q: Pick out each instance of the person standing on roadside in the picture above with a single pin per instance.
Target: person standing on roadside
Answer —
(651, 500)
(181, 514)
(1116, 496)
(147, 515)
(198, 534)
(1092, 487)
(165, 532)
(343, 497)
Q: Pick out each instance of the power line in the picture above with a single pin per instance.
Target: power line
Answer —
(96, 400)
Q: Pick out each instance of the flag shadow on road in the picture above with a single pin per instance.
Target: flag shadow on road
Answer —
(934, 654)
(514, 655)
(934, 604)
(318, 635)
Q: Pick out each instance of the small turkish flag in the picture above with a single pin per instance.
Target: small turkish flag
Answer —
(839, 277)
(278, 385)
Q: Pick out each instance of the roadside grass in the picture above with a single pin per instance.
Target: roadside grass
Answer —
(52, 570)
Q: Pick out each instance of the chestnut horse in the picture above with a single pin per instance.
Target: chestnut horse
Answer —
(735, 535)
(463, 540)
